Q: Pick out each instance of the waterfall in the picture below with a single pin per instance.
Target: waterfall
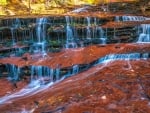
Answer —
(25, 34)
(133, 18)
(145, 55)
(42, 76)
(69, 33)
(88, 30)
(101, 36)
(41, 29)
(117, 18)
(1, 36)
(95, 21)
(130, 18)
(113, 57)
(57, 73)
(41, 72)
(75, 69)
(40, 44)
(39, 47)
(143, 30)
(16, 23)
(144, 35)
(70, 43)
(14, 71)
(12, 36)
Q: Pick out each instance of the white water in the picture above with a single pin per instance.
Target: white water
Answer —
(88, 30)
(39, 46)
(41, 29)
(45, 73)
(16, 23)
(69, 33)
(33, 88)
(101, 36)
(27, 111)
(113, 57)
(75, 69)
(144, 35)
(130, 18)
(12, 36)
(70, 43)
(143, 30)
(14, 71)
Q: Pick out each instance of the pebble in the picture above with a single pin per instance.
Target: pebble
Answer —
(103, 97)
(112, 106)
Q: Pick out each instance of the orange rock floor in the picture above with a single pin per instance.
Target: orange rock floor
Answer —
(70, 57)
(115, 87)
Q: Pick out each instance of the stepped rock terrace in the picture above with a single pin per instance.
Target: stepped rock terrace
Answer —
(83, 61)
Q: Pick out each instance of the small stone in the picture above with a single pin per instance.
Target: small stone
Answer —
(132, 70)
(149, 104)
(112, 106)
(103, 97)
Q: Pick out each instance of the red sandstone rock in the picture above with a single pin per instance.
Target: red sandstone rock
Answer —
(115, 87)
(70, 57)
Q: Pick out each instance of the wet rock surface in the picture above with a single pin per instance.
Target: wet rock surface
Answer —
(92, 61)
(70, 57)
(119, 86)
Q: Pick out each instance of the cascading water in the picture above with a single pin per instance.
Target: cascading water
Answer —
(16, 23)
(101, 36)
(33, 88)
(144, 35)
(25, 34)
(70, 41)
(75, 69)
(41, 35)
(39, 48)
(117, 18)
(113, 57)
(133, 18)
(88, 30)
(143, 30)
(130, 18)
(1, 36)
(145, 56)
(43, 77)
(14, 72)
(12, 35)
(41, 72)
(69, 31)
(41, 29)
